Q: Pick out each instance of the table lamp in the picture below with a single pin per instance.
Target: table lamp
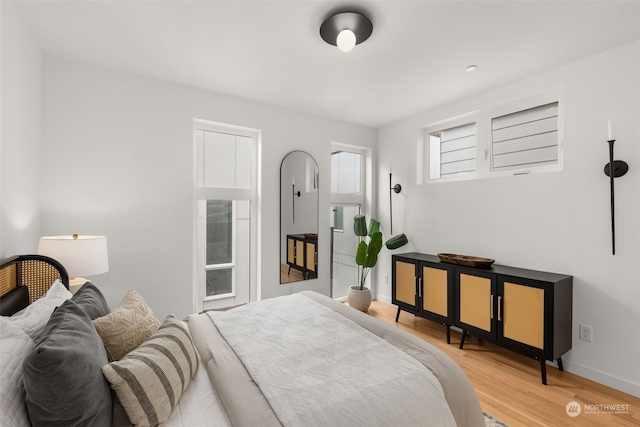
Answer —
(80, 256)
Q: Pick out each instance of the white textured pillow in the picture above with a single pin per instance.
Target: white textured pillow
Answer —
(150, 380)
(127, 326)
(34, 317)
(15, 344)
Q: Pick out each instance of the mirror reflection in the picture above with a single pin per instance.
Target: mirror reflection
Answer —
(298, 217)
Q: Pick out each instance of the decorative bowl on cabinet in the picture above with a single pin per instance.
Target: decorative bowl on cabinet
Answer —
(469, 261)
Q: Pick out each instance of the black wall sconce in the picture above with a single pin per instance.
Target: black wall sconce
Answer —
(613, 169)
(392, 189)
(293, 201)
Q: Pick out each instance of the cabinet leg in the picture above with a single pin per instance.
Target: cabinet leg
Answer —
(560, 364)
(543, 370)
(398, 315)
(464, 334)
(448, 334)
(289, 271)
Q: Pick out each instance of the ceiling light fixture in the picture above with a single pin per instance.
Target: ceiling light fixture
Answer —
(346, 30)
(471, 68)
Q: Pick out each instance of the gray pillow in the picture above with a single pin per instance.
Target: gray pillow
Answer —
(91, 300)
(62, 375)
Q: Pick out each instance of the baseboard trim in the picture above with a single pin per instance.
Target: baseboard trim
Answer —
(603, 378)
(383, 299)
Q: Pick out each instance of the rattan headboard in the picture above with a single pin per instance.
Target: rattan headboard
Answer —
(36, 272)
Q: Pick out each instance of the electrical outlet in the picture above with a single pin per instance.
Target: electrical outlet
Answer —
(586, 333)
(386, 278)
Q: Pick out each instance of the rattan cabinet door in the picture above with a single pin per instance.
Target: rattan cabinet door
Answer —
(475, 302)
(522, 314)
(300, 253)
(312, 258)
(404, 283)
(291, 251)
(435, 290)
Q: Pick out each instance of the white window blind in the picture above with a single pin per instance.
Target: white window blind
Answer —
(455, 151)
(527, 138)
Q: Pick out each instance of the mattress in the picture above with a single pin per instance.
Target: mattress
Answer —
(260, 366)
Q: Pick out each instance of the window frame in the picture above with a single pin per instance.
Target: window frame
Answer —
(222, 266)
(484, 140)
(363, 200)
(365, 176)
(203, 193)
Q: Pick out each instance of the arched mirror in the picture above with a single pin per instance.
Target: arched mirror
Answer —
(298, 217)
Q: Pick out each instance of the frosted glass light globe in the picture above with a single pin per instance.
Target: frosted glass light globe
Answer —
(346, 40)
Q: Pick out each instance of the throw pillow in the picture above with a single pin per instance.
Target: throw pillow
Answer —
(62, 375)
(91, 300)
(34, 317)
(150, 380)
(127, 326)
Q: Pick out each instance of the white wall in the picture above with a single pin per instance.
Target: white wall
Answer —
(564, 223)
(20, 139)
(122, 147)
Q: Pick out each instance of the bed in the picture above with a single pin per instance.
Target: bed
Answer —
(297, 360)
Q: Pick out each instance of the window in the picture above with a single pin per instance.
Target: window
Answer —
(453, 151)
(512, 139)
(346, 172)
(225, 159)
(219, 254)
(225, 197)
(526, 138)
(350, 195)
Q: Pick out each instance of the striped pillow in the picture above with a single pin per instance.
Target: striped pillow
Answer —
(150, 379)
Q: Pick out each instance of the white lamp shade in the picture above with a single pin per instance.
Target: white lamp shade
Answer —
(80, 255)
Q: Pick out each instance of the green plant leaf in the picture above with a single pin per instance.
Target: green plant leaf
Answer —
(361, 253)
(360, 225)
(374, 227)
(375, 245)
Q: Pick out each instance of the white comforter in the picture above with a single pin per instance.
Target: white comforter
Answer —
(317, 368)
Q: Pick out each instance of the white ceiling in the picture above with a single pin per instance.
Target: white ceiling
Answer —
(271, 51)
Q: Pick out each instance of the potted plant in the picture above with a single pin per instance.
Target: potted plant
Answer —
(370, 245)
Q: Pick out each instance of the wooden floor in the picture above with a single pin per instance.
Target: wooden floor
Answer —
(288, 275)
(508, 385)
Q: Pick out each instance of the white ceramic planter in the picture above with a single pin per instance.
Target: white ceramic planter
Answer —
(359, 299)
